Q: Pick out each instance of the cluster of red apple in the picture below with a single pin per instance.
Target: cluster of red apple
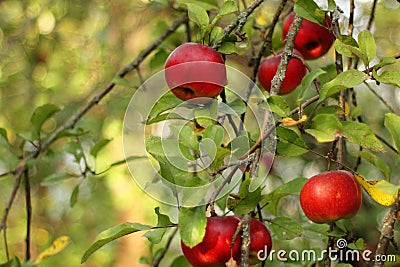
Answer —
(194, 70)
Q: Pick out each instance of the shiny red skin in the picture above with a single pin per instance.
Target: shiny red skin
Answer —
(331, 196)
(294, 73)
(312, 39)
(204, 75)
(214, 250)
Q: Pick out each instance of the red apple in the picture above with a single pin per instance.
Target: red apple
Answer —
(331, 196)
(312, 39)
(195, 70)
(294, 73)
(214, 250)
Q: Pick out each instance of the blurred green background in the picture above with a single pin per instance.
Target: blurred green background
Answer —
(61, 52)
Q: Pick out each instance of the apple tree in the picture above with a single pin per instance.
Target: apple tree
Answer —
(262, 130)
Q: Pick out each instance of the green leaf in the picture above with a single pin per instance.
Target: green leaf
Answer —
(245, 201)
(216, 34)
(192, 225)
(308, 80)
(347, 79)
(285, 228)
(308, 9)
(74, 196)
(227, 8)
(348, 47)
(3, 138)
(156, 235)
(214, 132)
(206, 4)
(180, 262)
(228, 48)
(331, 5)
(367, 45)
(361, 134)
(14, 262)
(392, 123)
(198, 15)
(376, 161)
(325, 128)
(111, 234)
(388, 77)
(99, 146)
(41, 114)
(56, 177)
(158, 59)
(384, 62)
(166, 102)
(289, 143)
(277, 104)
(238, 106)
(290, 188)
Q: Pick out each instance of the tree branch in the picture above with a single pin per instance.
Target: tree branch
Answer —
(241, 20)
(287, 51)
(387, 232)
(28, 215)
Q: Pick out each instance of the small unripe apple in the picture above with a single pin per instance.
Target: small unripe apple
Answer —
(312, 39)
(331, 196)
(295, 72)
(215, 249)
(195, 70)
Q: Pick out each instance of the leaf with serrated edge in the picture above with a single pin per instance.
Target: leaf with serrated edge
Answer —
(361, 134)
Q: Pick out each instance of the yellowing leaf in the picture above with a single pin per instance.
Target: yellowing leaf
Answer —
(58, 245)
(292, 122)
(374, 190)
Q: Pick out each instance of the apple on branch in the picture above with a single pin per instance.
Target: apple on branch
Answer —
(331, 196)
(194, 70)
(312, 39)
(215, 248)
(295, 72)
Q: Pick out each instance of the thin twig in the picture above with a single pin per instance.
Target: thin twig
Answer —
(28, 215)
(372, 15)
(161, 255)
(379, 97)
(241, 20)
